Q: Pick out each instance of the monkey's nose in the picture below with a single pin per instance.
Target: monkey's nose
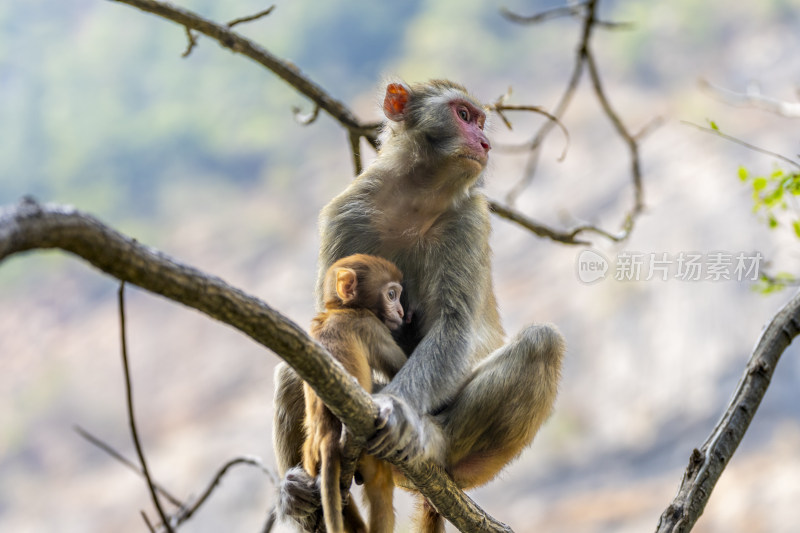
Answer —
(485, 144)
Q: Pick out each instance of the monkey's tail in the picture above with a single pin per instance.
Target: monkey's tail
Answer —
(428, 519)
(329, 481)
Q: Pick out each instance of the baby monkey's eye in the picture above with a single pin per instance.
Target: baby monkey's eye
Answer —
(463, 114)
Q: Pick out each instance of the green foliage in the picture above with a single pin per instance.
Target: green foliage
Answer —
(771, 194)
(771, 284)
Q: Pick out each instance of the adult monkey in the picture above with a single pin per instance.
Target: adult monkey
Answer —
(474, 403)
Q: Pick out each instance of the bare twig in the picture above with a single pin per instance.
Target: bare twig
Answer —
(633, 146)
(251, 18)
(127, 462)
(147, 522)
(565, 237)
(535, 144)
(587, 11)
(191, 42)
(707, 463)
(548, 14)
(131, 419)
(753, 97)
(577, 10)
(499, 107)
(184, 512)
(306, 119)
(187, 513)
(743, 143)
(647, 129)
(29, 226)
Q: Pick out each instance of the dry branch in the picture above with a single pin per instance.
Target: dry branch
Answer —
(151, 486)
(753, 97)
(584, 57)
(746, 144)
(30, 226)
(184, 511)
(251, 18)
(241, 45)
(707, 463)
(565, 237)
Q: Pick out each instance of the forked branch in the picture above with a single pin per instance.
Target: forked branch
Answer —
(30, 226)
(584, 58)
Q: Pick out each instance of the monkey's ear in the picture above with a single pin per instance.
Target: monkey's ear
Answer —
(346, 284)
(395, 101)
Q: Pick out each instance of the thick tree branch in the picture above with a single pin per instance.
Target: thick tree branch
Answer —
(30, 226)
(707, 463)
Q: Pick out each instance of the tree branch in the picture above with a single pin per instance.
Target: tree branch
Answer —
(29, 226)
(753, 97)
(285, 70)
(127, 462)
(565, 237)
(251, 18)
(743, 143)
(586, 10)
(707, 463)
(151, 486)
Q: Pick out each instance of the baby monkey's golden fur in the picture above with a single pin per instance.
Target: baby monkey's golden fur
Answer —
(362, 303)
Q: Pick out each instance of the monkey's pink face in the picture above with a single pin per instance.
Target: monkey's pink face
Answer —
(470, 121)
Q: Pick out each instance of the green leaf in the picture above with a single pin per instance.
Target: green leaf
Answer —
(743, 173)
(713, 125)
(759, 183)
(772, 221)
(793, 185)
(796, 226)
(774, 197)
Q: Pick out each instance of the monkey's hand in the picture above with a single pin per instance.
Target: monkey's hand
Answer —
(300, 498)
(402, 434)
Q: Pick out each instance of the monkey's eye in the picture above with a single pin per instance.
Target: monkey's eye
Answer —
(392, 294)
(463, 114)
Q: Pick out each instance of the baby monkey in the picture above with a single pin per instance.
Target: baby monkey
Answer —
(361, 294)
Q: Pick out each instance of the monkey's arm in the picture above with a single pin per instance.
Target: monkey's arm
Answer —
(460, 315)
(461, 320)
(385, 354)
(403, 429)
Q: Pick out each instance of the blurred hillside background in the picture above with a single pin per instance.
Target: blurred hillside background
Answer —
(202, 158)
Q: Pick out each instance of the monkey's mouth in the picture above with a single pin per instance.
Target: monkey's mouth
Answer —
(481, 160)
(394, 324)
